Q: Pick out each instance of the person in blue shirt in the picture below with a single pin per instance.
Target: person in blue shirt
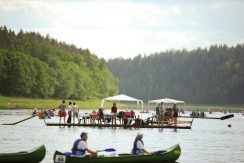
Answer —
(80, 147)
(138, 146)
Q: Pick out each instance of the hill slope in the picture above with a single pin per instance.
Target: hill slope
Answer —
(205, 76)
(35, 66)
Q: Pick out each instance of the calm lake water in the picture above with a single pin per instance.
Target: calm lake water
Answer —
(207, 141)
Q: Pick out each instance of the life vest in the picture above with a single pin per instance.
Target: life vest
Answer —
(41, 115)
(135, 150)
(127, 114)
(94, 113)
(51, 113)
(74, 148)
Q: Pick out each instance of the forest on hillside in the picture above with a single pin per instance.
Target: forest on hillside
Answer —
(203, 76)
(35, 66)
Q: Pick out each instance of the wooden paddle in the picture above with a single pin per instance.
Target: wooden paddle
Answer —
(106, 150)
(19, 121)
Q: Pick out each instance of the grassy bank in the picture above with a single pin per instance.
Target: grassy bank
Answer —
(31, 103)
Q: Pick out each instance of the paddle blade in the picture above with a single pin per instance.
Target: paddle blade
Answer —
(157, 153)
(68, 153)
(109, 150)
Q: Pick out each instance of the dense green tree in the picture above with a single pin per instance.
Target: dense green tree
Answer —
(36, 66)
(214, 75)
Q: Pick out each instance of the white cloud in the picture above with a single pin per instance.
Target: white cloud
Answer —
(176, 10)
(119, 28)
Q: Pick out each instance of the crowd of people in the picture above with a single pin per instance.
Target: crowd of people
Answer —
(124, 117)
(168, 114)
(42, 113)
(73, 112)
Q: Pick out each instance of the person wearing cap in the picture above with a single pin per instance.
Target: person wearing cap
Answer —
(138, 146)
(80, 147)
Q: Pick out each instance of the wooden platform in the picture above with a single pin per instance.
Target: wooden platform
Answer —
(221, 118)
(200, 117)
(118, 125)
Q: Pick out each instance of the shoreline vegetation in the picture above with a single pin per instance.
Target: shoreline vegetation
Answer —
(31, 103)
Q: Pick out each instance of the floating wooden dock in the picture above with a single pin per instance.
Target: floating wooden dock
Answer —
(221, 118)
(118, 125)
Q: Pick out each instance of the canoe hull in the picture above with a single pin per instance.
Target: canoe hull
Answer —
(170, 155)
(34, 156)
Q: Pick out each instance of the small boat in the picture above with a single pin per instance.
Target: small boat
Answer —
(33, 156)
(169, 155)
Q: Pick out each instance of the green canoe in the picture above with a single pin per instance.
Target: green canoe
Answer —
(33, 156)
(168, 155)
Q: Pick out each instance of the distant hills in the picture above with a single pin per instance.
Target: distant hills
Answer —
(204, 76)
(32, 65)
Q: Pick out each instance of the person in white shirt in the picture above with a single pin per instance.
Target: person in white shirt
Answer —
(161, 108)
(80, 147)
(138, 146)
(75, 112)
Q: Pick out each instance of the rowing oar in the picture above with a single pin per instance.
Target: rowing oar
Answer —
(19, 121)
(106, 150)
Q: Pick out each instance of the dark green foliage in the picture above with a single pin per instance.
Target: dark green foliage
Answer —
(34, 66)
(214, 75)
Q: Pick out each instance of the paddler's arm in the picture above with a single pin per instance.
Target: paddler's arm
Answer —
(146, 151)
(91, 151)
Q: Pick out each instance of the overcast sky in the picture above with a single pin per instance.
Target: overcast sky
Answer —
(127, 28)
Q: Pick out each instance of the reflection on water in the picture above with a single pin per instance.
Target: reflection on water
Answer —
(207, 141)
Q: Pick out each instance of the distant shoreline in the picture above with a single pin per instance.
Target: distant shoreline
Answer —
(31, 103)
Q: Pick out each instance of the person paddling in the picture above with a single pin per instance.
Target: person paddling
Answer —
(80, 147)
(138, 146)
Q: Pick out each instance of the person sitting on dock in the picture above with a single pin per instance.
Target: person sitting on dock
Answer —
(80, 147)
(35, 112)
(75, 111)
(138, 146)
(114, 113)
(62, 112)
(100, 115)
(93, 116)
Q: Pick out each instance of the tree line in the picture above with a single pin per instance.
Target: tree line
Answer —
(213, 75)
(32, 65)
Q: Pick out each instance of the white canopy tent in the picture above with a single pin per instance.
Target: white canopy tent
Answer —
(166, 101)
(122, 97)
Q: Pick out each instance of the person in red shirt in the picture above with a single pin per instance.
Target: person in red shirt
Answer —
(114, 113)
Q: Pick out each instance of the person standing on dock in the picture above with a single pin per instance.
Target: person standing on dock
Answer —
(161, 111)
(80, 147)
(62, 111)
(114, 113)
(138, 146)
(75, 112)
(175, 113)
(69, 112)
